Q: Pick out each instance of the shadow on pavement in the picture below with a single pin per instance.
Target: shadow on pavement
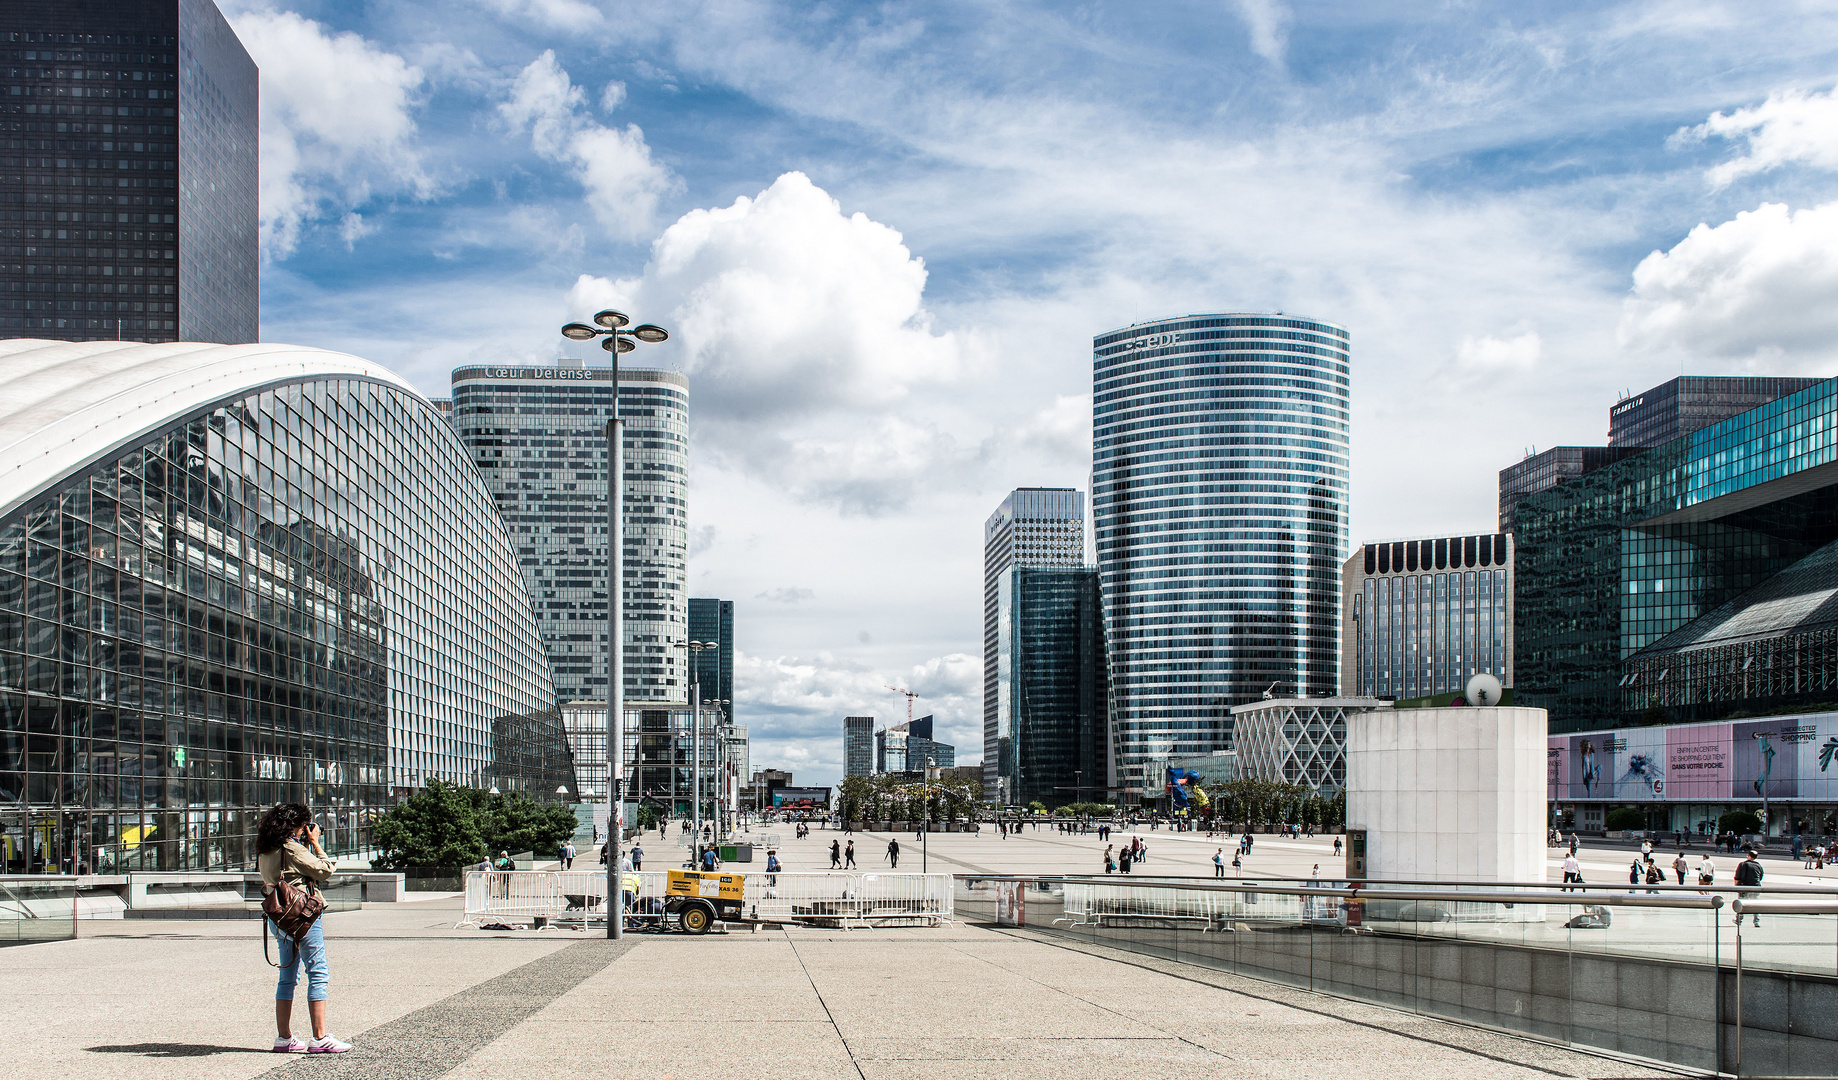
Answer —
(174, 1050)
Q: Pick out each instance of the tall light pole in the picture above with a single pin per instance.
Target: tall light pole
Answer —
(611, 327)
(695, 720)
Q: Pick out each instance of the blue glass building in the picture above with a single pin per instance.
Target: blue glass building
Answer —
(1689, 582)
(1219, 496)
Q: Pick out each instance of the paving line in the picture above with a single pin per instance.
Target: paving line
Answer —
(430, 1041)
(831, 1017)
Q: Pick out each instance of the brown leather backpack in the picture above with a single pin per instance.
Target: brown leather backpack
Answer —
(292, 909)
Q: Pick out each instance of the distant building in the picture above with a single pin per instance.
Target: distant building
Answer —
(1691, 403)
(858, 746)
(1220, 458)
(538, 435)
(1639, 422)
(1052, 707)
(1549, 468)
(713, 621)
(1032, 527)
(909, 747)
(1299, 740)
(1423, 616)
(169, 192)
(1691, 581)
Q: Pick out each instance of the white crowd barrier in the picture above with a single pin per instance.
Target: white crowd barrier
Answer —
(830, 899)
(1104, 904)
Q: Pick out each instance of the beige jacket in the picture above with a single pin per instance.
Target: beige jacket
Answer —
(295, 863)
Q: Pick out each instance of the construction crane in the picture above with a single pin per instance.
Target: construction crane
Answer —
(909, 703)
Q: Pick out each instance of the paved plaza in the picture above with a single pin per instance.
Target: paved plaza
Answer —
(421, 999)
(1044, 850)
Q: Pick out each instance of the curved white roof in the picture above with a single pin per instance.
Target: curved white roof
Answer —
(64, 404)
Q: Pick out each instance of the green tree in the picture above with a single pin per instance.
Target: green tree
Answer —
(1037, 807)
(516, 822)
(1740, 822)
(1625, 819)
(436, 826)
(855, 792)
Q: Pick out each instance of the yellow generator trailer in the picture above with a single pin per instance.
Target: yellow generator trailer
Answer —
(697, 898)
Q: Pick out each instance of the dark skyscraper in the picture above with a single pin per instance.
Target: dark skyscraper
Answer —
(128, 205)
(713, 620)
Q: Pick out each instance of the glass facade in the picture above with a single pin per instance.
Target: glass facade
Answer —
(1219, 488)
(660, 756)
(128, 173)
(1612, 563)
(1690, 403)
(858, 746)
(538, 435)
(713, 620)
(1550, 468)
(1032, 527)
(299, 592)
(1052, 729)
(1423, 616)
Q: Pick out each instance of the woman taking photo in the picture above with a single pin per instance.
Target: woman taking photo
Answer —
(283, 840)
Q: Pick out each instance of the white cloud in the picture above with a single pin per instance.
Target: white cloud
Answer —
(1754, 293)
(786, 595)
(1268, 22)
(1791, 126)
(615, 167)
(557, 14)
(803, 330)
(613, 96)
(1488, 353)
(337, 125)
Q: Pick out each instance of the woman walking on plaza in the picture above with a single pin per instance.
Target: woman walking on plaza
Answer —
(282, 842)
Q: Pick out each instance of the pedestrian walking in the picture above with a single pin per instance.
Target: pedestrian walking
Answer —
(772, 867)
(1635, 872)
(836, 853)
(1646, 848)
(288, 850)
(1336, 845)
(1238, 865)
(1654, 875)
(1110, 862)
(711, 861)
(1707, 871)
(1314, 876)
(848, 856)
(1573, 871)
(1123, 860)
(893, 853)
(637, 856)
(1680, 866)
(1749, 873)
(1218, 862)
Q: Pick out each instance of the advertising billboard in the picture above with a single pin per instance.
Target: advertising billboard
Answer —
(801, 798)
(1782, 757)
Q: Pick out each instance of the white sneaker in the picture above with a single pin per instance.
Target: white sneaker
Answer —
(293, 1044)
(327, 1045)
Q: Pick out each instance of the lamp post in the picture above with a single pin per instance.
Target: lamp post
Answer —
(695, 720)
(610, 326)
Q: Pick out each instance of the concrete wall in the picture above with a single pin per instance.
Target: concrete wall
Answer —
(1449, 794)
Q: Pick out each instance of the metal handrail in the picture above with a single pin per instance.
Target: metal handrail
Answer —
(1624, 897)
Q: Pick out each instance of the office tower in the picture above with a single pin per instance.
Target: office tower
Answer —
(1689, 582)
(1423, 616)
(1052, 739)
(190, 633)
(1690, 403)
(1219, 487)
(858, 746)
(539, 437)
(1549, 468)
(1641, 421)
(132, 214)
(910, 748)
(1032, 527)
(713, 621)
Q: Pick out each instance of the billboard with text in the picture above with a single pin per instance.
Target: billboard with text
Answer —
(1783, 757)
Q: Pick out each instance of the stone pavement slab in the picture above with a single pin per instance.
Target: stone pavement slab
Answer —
(423, 1000)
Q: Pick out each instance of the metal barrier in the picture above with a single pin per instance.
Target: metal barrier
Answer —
(826, 899)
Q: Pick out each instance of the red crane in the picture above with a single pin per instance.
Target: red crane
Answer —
(909, 702)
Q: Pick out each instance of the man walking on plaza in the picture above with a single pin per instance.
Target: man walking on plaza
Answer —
(836, 853)
(893, 853)
(638, 856)
(1749, 874)
(1218, 862)
(1679, 866)
(848, 856)
(1573, 871)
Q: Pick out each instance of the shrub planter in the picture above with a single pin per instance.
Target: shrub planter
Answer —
(952, 826)
(855, 826)
(898, 826)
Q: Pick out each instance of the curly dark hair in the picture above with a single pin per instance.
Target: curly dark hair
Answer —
(279, 824)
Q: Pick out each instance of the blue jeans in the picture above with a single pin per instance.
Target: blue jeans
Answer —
(312, 953)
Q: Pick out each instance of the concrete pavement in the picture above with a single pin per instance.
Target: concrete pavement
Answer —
(422, 1000)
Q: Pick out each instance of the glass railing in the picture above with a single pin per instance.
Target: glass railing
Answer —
(1651, 974)
(35, 909)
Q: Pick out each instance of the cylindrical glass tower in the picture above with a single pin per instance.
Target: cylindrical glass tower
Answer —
(1219, 505)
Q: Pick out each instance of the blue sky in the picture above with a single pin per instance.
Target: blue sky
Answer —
(885, 234)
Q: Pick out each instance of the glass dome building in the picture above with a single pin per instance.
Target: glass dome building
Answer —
(232, 575)
(1219, 506)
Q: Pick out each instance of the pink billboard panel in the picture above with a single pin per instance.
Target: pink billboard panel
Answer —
(1698, 761)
